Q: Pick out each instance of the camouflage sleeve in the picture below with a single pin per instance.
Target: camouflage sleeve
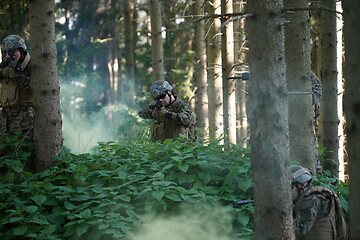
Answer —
(310, 209)
(22, 80)
(184, 113)
(1, 72)
(316, 93)
(147, 111)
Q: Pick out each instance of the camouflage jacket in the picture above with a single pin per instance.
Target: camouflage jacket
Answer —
(314, 214)
(183, 122)
(316, 93)
(15, 90)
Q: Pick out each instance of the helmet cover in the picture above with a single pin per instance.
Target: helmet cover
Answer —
(300, 174)
(12, 42)
(159, 87)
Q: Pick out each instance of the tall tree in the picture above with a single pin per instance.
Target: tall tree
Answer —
(45, 84)
(240, 61)
(301, 113)
(227, 46)
(129, 52)
(156, 40)
(214, 72)
(268, 114)
(200, 71)
(352, 108)
(330, 90)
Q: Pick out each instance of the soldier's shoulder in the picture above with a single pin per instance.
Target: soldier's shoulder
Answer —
(178, 104)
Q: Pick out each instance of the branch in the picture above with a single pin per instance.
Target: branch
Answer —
(233, 19)
(227, 15)
(315, 8)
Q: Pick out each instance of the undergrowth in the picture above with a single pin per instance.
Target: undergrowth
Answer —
(123, 188)
(113, 193)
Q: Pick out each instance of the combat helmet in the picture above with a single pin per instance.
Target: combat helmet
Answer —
(159, 88)
(12, 42)
(299, 174)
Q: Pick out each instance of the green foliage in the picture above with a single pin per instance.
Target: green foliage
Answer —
(111, 194)
(341, 188)
(15, 157)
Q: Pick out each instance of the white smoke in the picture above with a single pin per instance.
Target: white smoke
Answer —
(210, 224)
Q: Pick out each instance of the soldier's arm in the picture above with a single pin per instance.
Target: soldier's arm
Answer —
(316, 87)
(147, 111)
(184, 114)
(308, 214)
(22, 80)
(316, 93)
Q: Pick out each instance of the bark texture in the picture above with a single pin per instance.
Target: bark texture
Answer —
(45, 84)
(268, 113)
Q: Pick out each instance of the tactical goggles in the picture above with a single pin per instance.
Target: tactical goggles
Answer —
(161, 96)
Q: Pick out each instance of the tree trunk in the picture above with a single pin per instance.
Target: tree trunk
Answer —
(301, 114)
(240, 59)
(201, 73)
(227, 45)
(268, 115)
(129, 53)
(352, 108)
(214, 73)
(156, 40)
(330, 91)
(46, 90)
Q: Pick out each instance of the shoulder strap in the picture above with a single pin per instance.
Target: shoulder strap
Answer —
(341, 227)
(26, 61)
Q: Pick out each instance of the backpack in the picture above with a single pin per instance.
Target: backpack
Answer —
(340, 225)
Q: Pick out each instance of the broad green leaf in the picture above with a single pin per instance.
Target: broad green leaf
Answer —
(173, 196)
(86, 213)
(81, 229)
(103, 226)
(15, 219)
(39, 199)
(20, 230)
(243, 219)
(159, 175)
(31, 209)
(49, 229)
(183, 167)
(162, 183)
(38, 221)
(245, 184)
(158, 194)
(69, 205)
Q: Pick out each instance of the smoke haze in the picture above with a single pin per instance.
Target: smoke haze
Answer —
(204, 224)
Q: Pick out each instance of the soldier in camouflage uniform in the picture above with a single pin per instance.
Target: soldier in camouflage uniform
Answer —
(317, 212)
(316, 97)
(16, 112)
(171, 115)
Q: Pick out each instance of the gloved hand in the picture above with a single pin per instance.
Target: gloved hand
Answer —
(8, 72)
(160, 113)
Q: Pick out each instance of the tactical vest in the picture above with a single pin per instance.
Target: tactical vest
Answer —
(12, 93)
(331, 227)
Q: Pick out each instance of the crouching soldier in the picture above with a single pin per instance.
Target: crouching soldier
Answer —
(317, 211)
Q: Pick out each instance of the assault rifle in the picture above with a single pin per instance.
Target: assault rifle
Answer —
(11, 62)
(238, 204)
(159, 104)
(244, 76)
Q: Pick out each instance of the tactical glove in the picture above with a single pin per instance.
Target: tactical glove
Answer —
(160, 113)
(8, 72)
